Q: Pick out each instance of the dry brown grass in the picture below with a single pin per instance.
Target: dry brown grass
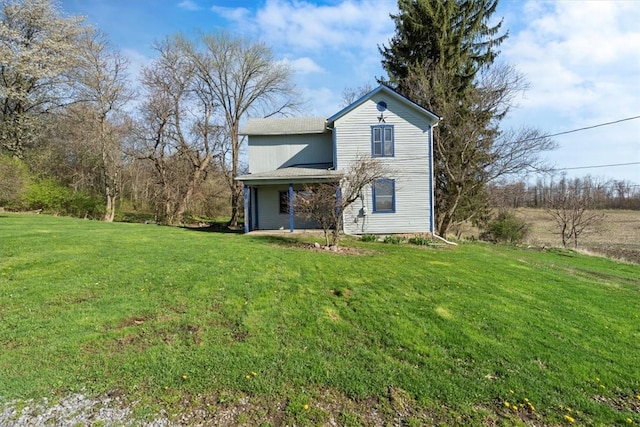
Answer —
(618, 236)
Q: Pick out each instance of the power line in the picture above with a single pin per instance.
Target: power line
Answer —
(597, 166)
(580, 129)
(576, 130)
(564, 133)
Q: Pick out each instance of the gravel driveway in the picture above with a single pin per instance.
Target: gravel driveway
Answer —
(73, 410)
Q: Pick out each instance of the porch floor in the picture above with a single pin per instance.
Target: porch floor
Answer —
(302, 231)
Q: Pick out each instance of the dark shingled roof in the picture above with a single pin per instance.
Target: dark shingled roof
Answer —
(284, 126)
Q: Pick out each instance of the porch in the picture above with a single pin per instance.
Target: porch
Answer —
(269, 197)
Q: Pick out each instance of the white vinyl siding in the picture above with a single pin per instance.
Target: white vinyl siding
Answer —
(409, 167)
(271, 152)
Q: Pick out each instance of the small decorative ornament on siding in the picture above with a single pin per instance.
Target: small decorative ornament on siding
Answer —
(382, 107)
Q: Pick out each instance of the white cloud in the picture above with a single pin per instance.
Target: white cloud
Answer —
(582, 60)
(240, 15)
(323, 101)
(304, 65)
(303, 25)
(137, 61)
(339, 40)
(188, 5)
(350, 29)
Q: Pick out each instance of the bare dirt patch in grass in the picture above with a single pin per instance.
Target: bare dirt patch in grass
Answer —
(338, 250)
(132, 321)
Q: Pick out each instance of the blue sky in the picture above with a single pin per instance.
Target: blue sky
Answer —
(581, 58)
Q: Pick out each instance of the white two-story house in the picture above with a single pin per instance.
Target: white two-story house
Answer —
(286, 154)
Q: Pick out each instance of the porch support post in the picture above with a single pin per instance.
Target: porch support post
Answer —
(256, 223)
(247, 211)
(291, 195)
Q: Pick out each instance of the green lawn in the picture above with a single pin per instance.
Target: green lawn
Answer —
(176, 318)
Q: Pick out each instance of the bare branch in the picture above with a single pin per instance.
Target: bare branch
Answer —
(326, 202)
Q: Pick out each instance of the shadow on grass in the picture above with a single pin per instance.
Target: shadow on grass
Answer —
(276, 240)
(215, 227)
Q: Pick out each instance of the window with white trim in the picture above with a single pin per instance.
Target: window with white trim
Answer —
(382, 141)
(384, 195)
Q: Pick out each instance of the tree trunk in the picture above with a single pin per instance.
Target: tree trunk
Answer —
(236, 188)
(110, 171)
(236, 200)
(195, 177)
(110, 211)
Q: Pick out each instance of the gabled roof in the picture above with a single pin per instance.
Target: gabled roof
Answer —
(387, 91)
(284, 126)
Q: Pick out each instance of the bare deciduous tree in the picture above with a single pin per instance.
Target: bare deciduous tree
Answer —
(352, 94)
(572, 208)
(326, 202)
(470, 151)
(181, 137)
(103, 85)
(240, 77)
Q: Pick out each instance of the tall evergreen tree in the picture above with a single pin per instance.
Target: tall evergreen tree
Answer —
(439, 49)
(451, 34)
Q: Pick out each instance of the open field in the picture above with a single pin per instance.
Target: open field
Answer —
(618, 236)
(201, 328)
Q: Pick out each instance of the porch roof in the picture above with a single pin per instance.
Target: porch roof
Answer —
(292, 174)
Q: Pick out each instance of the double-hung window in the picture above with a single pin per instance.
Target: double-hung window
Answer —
(382, 141)
(384, 195)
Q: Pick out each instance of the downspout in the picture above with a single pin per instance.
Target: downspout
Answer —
(334, 136)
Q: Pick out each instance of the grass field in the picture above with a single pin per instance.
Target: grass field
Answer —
(263, 331)
(618, 235)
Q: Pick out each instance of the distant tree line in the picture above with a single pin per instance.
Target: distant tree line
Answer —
(544, 192)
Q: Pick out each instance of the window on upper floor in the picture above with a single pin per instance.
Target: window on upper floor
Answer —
(384, 195)
(382, 141)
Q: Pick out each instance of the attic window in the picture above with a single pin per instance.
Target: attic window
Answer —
(382, 141)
